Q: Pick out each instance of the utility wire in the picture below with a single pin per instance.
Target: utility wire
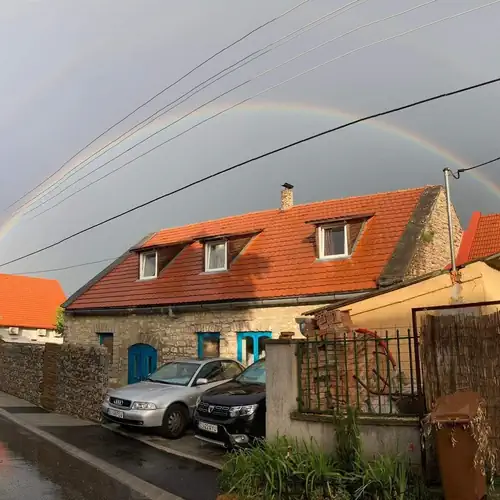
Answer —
(66, 267)
(462, 170)
(183, 98)
(198, 66)
(251, 160)
(114, 258)
(228, 108)
(237, 104)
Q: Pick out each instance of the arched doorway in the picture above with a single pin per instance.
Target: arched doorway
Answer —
(142, 361)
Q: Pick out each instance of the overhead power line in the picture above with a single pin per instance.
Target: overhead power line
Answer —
(158, 94)
(188, 95)
(251, 160)
(65, 268)
(234, 105)
(462, 170)
(114, 258)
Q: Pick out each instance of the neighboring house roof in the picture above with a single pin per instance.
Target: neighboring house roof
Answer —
(28, 302)
(277, 257)
(375, 293)
(481, 238)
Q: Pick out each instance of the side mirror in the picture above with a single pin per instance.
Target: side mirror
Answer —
(201, 381)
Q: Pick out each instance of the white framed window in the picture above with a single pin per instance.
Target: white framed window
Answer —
(332, 241)
(216, 256)
(148, 265)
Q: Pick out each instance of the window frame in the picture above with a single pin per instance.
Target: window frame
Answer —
(201, 338)
(103, 336)
(321, 242)
(213, 362)
(210, 244)
(142, 260)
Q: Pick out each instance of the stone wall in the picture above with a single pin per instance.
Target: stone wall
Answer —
(21, 370)
(176, 337)
(82, 380)
(433, 249)
(66, 378)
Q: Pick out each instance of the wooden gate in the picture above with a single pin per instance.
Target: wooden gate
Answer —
(49, 385)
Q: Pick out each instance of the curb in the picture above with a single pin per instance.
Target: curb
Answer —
(133, 482)
(165, 449)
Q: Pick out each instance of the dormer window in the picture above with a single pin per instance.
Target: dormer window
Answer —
(216, 256)
(148, 265)
(333, 243)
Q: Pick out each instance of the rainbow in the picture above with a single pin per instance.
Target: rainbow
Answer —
(449, 158)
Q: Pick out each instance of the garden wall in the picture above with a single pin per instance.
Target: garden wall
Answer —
(379, 434)
(66, 378)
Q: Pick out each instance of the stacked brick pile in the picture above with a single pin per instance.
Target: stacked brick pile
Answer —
(340, 364)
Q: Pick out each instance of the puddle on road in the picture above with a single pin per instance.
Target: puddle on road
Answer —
(33, 468)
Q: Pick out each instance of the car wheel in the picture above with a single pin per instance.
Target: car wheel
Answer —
(175, 421)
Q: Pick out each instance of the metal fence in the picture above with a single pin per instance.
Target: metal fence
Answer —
(377, 373)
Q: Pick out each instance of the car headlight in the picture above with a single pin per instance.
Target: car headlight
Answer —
(106, 398)
(241, 411)
(139, 405)
(198, 401)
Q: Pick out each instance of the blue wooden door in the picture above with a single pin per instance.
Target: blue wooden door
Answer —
(250, 346)
(142, 361)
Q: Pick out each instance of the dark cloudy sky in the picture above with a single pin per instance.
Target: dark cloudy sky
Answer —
(70, 69)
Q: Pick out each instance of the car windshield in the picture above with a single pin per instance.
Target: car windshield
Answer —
(175, 373)
(254, 374)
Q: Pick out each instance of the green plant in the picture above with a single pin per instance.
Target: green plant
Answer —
(348, 440)
(427, 236)
(390, 478)
(60, 321)
(283, 469)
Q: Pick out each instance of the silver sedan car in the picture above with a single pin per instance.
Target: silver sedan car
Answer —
(166, 400)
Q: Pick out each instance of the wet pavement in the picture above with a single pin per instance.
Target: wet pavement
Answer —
(33, 468)
(182, 477)
(41, 467)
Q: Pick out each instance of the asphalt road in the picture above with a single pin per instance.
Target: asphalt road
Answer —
(37, 469)
(182, 477)
(32, 468)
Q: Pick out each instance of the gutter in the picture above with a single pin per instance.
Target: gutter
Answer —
(170, 310)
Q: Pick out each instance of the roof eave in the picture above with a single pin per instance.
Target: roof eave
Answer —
(223, 304)
(377, 293)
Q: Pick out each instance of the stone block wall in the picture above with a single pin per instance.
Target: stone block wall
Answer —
(21, 370)
(433, 249)
(176, 336)
(82, 380)
(66, 378)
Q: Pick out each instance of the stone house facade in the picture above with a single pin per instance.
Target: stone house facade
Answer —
(174, 296)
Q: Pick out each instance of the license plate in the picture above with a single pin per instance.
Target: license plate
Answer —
(115, 413)
(208, 427)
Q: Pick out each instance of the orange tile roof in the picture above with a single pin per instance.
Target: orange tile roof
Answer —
(481, 238)
(29, 302)
(279, 262)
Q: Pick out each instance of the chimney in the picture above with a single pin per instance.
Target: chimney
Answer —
(286, 196)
